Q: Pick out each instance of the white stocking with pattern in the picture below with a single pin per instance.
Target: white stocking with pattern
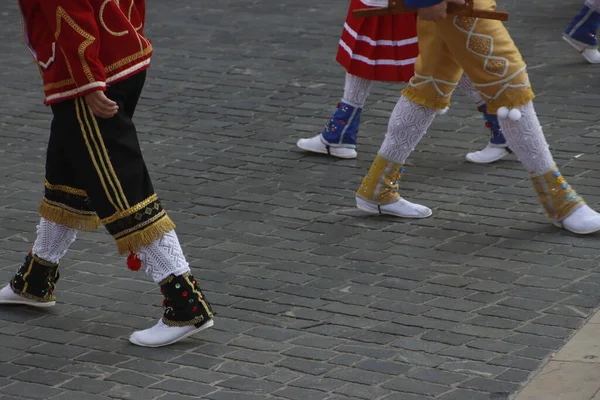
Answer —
(526, 139)
(407, 126)
(53, 240)
(164, 257)
(356, 90)
(465, 84)
(593, 4)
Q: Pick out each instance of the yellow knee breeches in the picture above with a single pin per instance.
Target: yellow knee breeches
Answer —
(482, 48)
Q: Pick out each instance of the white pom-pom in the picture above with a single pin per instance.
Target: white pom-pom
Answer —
(503, 112)
(514, 114)
(443, 112)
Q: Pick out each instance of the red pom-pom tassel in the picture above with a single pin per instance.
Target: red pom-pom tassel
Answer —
(133, 263)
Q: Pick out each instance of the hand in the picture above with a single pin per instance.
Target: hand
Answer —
(101, 105)
(438, 11)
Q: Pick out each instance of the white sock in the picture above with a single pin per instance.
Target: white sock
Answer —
(53, 240)
(526, 139)
(593, 4)
(163, 257)
(356, 90)
(407, 126)
(465, 84)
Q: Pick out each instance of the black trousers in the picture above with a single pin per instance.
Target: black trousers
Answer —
(95, 172)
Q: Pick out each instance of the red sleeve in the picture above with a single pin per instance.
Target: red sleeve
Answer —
(76, 35)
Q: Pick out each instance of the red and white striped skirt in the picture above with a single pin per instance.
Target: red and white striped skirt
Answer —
(379, 48)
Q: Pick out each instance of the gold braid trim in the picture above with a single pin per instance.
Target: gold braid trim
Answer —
(509, 101)
(56, 213)
(145, 236)
(46, 299)
(194, 321)
(132, 210)
(43, 262)
(200, 295)
(66, 189)
(438, 103)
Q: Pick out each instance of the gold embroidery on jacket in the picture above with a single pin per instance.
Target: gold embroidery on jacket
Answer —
(103, 23)
(61, 14)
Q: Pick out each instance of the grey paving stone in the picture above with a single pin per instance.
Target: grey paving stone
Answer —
(87, 385)
(415, 386)
(30, 390)
(183, 387)
(490, 385)
(48, 378)
(251, 385)
(132, 378)
(355, 391)
(132, 392)
(436, 376)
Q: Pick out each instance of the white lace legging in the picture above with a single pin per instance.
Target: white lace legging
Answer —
(593, 4)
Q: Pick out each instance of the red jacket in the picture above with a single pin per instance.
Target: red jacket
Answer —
(83, 45)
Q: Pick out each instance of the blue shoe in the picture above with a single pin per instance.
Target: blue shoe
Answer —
(581, 34)
(338, 138)
(496, 148)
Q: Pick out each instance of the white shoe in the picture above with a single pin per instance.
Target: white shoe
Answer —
(488, 155)
(316, 145)
(582, 221)
(591, 54)
(8, 296)
(162, 334)
(400, 208)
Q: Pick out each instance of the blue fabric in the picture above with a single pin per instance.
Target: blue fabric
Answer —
(492, 122)
(584, 27)
(342, 128)
(421, 3)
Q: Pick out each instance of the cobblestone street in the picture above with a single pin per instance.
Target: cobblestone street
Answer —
(315, 299)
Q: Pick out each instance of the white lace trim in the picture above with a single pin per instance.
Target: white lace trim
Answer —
(466, 85)
(407, 126)
(593, 4)
(526, 139)
(356, 90)
(163, 257)
(53, 240)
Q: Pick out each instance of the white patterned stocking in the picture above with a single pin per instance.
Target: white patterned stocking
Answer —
(163, 257)
(593, 4)
(407, 126)
(356, 90)
(53, 240)
(466, 85)
(526, 139)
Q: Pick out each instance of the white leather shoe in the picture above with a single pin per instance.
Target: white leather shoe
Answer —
(162, 334)
(401, 208)
(488, 155)
(591, 54)
(315, 144)
(8, 296)
(582, 221)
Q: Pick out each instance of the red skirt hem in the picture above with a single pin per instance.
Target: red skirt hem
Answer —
(379, 48)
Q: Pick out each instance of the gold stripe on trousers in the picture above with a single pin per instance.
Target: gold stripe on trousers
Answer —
(99, 156)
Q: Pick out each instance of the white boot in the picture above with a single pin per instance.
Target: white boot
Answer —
(378, 192)
(162, 334)
(186, 310)
(591, 54)
(8, 296)
(582, 221)
(489, 154)
(401, 208)
(317, 145)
